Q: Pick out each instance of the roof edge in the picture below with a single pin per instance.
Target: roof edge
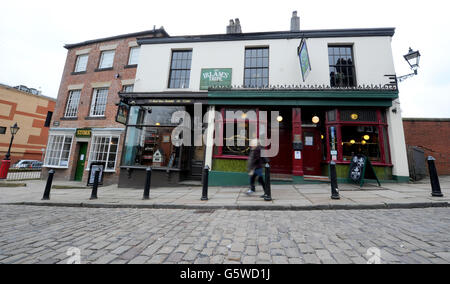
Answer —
(136, 34)
(367, 32)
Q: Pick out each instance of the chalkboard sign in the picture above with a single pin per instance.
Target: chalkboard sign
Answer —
(96, 167)
(361, 168)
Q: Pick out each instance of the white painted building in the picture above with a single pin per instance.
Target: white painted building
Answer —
(349, 88)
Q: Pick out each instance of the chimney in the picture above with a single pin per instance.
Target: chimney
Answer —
(230, 28)
(295, 22)
(238, 29)
(234, 27)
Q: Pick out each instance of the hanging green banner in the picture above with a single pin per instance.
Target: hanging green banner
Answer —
(216, 77)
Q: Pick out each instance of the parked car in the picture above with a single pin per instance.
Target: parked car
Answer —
(25, 164)
(37, 165)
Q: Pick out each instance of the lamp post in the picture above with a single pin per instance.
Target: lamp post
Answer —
(413, 59)
(6, 162)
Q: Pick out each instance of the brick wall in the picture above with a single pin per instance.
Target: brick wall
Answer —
(433, 136)
(120, 72)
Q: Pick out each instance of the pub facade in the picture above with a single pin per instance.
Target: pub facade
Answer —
(328, 94)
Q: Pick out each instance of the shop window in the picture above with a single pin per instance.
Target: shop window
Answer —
(180, 69)
(342, 67)
(58, 151)
(236, 142)
(256, 70)
(149, 137)
(104, 150)
(150, 146)
(361, 140)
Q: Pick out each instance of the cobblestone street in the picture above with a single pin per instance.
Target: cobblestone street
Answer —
(44, 234)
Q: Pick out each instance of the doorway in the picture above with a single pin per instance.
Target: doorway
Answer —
(282, 163)
(312, 151)
(81, 161)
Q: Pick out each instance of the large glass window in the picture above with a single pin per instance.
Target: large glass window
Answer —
(180, 69)
(149, 137)
(256, 70)
(342, 67)
(361, 140)
(58, 151)
(104, 150)
(98, 104)
(362, 131)
(81, 63)
(72, 104)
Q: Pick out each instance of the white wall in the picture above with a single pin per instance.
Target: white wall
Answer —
(372, 55)
(397, 142)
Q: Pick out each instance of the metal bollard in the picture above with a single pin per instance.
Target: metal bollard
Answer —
(48, 186)
(334, 184)
(148, 182)
(205, 183)
(95, 186)
(434, 179)
(267, 190)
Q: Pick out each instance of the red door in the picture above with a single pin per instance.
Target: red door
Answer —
(312, 154)
(282, 163)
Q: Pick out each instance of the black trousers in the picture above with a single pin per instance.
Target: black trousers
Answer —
(257, 174)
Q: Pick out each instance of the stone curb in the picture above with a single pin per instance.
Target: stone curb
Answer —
(244, 207)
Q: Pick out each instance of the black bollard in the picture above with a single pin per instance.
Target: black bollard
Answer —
(148, 181)
(267, 190)
(434, 179)
(334, 184)
(205, 183)
(95, 185)
(48, 186)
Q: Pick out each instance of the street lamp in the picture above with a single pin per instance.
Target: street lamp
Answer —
(413, 59)
(7, 161)
(14, 129)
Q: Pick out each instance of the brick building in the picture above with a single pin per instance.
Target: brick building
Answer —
(433, 136)
(30, 110)
(84, 129)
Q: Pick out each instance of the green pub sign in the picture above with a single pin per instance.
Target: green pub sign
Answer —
(215, 77)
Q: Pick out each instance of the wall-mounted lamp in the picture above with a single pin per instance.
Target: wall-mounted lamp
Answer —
(315, 119)
(413, 59)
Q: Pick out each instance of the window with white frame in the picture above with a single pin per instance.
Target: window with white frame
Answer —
(72, 103)
(104, 150)
(98, 104)
(106, 59)
(58, 151)
(81, 63)
(134, 56)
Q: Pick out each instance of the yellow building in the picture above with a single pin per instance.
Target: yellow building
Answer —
(30, 111)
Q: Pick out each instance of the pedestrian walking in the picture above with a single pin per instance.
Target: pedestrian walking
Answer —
(255, 166)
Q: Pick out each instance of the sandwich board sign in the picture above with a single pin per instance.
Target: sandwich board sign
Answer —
(361, 168)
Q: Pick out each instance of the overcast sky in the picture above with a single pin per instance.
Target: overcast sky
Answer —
(33, 33)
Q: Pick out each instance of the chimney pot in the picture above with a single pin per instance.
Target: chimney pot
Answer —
(295, 22)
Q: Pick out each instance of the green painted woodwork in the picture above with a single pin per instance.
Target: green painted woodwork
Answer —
(230, 165)
(326, 94)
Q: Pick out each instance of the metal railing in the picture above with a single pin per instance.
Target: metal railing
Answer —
(24, 174)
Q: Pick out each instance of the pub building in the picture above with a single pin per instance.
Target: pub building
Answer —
(334, 92)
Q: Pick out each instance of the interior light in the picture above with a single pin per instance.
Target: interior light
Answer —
(158, 124)
(280, 118)
(364, 142)
(354, 116)
(366, 137)
(352, 141)
(315, 119)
